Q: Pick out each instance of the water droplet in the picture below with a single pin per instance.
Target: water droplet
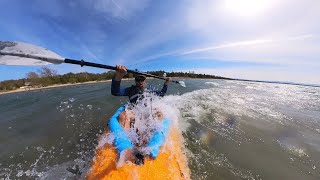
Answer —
(314, 167)
(20, 173)
(71, 115)
(72, 99)
(89, 106)
(39, 148)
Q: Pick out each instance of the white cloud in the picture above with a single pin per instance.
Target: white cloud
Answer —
(151, 34)
(301, 49)
(119, 8)
(122, 9)
(248, 43)
(156, 56)
(228, 45)
(308, 75)
(284, 33)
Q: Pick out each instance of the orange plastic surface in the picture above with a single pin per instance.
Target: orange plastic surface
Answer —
(171, 163)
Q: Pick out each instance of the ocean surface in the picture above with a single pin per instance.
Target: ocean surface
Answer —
(232, 129)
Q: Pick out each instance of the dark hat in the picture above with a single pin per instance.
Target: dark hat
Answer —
(140, 78)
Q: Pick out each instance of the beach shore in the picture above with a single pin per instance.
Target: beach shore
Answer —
(53, 86)
(69, 84)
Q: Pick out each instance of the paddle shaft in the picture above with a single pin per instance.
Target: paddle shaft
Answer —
(84, 63)
(72, 61)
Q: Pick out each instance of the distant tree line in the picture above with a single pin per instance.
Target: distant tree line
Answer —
(46, 77)
(190, 74)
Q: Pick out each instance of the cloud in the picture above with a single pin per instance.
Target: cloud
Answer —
(227, 45)
(297, 74)
(156, 56)
(280, 33)
(301, 49)
(285, 50)
(122, 9)
(119, 8)
(152, 35)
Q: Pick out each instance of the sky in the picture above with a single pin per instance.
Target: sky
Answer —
(275, 40)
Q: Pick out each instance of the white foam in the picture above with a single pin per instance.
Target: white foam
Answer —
(146, 121)
(105, 139)
(212, 83)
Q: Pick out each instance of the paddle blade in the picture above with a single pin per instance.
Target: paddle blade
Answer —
(182, 83)
(24, 54)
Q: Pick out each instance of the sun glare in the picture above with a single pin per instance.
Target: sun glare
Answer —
(246, 7)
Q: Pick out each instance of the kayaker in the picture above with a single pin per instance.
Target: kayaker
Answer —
(126, 118)
(134, 92)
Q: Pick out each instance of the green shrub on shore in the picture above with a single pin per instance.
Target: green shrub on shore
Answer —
(46, 77)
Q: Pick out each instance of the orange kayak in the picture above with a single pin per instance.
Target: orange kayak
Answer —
(171, 163)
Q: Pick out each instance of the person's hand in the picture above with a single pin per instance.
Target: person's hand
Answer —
(120, 72)
(168, 80)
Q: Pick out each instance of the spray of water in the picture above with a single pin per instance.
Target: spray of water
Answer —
(148, 114)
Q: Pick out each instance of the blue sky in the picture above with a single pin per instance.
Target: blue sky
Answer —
(263, 40)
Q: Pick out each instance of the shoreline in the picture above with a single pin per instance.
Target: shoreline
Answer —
(53, 86)
(60, 85)
(75, 84)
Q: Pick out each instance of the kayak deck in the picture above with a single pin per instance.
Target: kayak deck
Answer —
(171, 163)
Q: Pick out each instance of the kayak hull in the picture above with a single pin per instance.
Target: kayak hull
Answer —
(171, 163)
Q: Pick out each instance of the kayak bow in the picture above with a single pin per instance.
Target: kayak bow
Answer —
(170, 163)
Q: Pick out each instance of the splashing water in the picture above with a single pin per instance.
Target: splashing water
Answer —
(182, 83)
(244, 117)
(148, 114)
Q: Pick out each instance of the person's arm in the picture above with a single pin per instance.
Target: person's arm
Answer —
(116, 81)
(164, 88)
(159, 138)
(116, 90)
